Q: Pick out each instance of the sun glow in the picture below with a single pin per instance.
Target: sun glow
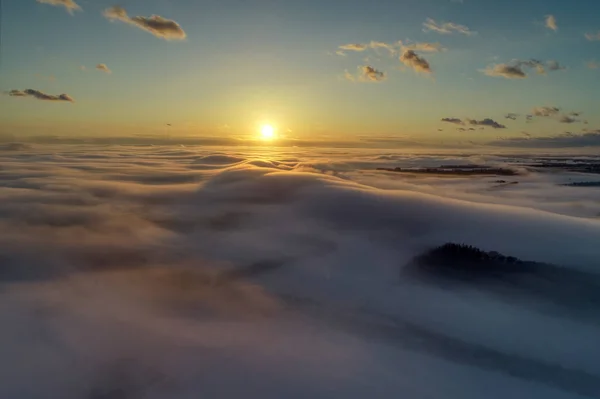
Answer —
(267, 132)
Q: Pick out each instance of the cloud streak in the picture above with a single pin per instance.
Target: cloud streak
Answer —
(354, 47)
(565, 140)
(518, 69)
(70, 5)
(158, 26)
(40, 95)
(487, 122)
(446, 28)
(456, 121)
(593, 37)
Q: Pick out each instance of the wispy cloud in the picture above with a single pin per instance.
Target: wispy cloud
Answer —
(40, 95)
(593, 65)
(360, 47)
(554, 66)
(425, 47)
(70, 5)
(160, 27)
(593, 36)
(446, 28)
(517, 69)
(354, 47)
(366, 73)
(103, 68)
(391, 48)
(567, 139)
(50, 78)
(551, 22)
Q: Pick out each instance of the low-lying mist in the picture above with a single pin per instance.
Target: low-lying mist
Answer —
(181, 272)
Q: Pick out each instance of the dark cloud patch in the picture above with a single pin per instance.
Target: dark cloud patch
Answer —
(414, 61)
(372, 74)
(487, 122)
(518, 69)
(17, 93)
(506, 71)
(366, 73)
(456, 121)
(567, 119)
(160, 27)
(555, 113)
(40, 95)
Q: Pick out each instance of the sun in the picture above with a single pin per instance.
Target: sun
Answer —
(267, 132)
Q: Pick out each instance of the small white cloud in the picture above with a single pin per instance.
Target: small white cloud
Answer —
(103, 68)
(551, 22)
(366, 73)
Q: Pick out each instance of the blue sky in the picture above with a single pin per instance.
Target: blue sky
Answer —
(246, 63)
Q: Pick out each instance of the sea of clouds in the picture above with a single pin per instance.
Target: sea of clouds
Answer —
(187, 272)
